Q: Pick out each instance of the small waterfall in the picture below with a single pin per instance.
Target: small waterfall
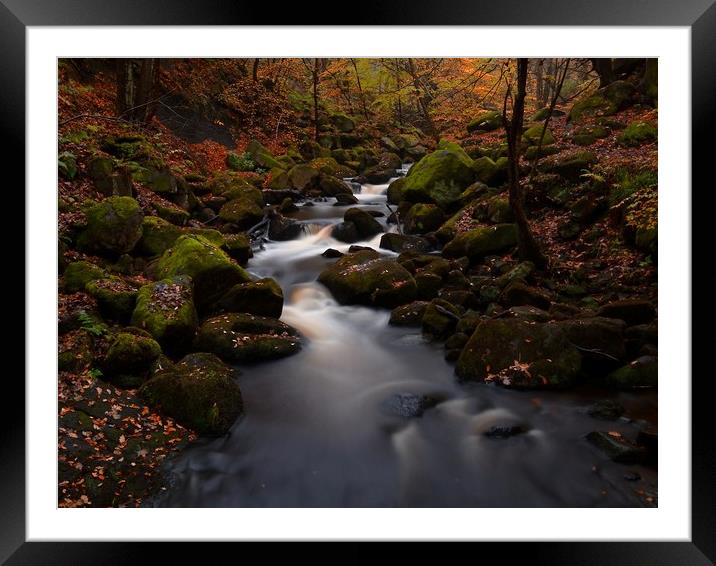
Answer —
(319, 229)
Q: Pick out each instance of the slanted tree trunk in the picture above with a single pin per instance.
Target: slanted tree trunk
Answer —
(603, 68)
(539, 78)
(136, 89)
(527, 246)
(315, 77)
(422, 102)
(398, 87)
(360, 89)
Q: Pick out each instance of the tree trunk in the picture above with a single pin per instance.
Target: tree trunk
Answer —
(541, 98)
(422, 104)
(528, 248)
(398, 87)
(315, 98)
(603, 68)
(136, 89)
(360, 89)
(255, 70)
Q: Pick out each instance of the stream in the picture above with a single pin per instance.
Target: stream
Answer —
(318, 430)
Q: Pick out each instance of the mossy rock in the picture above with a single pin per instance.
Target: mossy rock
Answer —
(129, 359)
(278, 180)
(200, 392)
(571, 166)
(408, 315)
(241, 337)
(158, 235)
(364, 278)
(238, 247)
(302, 176)
(422, 218)
(534, 151)
(485, 122)
(67, 165)
(263, 297)
(242, 212)
(440, 319)
(79, 273)
(115, 297)
(114, 226)
(76, 351)
(395, 191)
(439, 177)
(605, 102)
(214, 237)
(518, 294)
(160, 180)
(499, 210)
(486, 240)
(172, 214)
(365, 224)
(642, 372)
(542, 113)
(532, 135)
(166, 310)
(342, 122)
(636, 134)
(211, 270)
(247, 191)
(650, 82)
(332, 186)
(489, 172)
(329, 166)
(497, 347)
(262, 156)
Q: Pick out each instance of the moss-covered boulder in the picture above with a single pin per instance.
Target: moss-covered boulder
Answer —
(422, 218)
(485, 122)
(440, 319)
(211, 269)
(115, 297)
(534, 151)
(263, 297)
(601, 340)
(242, 212)
(636, 134)
(241, 337)
(329, 166)
(605, 102)
(129, 359)
(395, 191)
(408, 315)
(486, 240)
(384, 170)
(262, 156)
(518, 293)
(439, 177)
(238, 247)
(365, 278)
(302, 176)
(342, 122)
(531, 135)
(114, 226)
(519, 353)
(158, 235)
(166, 310)
(642, 372)
(570, 166)
(489, 172)
(332, 186)
(365, 224)
(403, 243)
(78, 273)
(200, 392)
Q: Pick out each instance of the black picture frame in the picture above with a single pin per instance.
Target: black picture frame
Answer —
(699, 15)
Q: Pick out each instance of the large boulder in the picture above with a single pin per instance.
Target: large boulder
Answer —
(242, 211)
(365, 224)
(518, 353)
(486, 240)
(601, 340)
(211, 270)
(78, 273)
(114, 226)
(261, 155)
(570, 166)
(158, 236)
(200, 392)
(637, 133)
(166, 310)
(115, 297)
(384, 170)
(642, 372)
(403, 243)
(439, 177)
(408, 315)
(242, 337)
(490, 172)
(365, 278)
(263, 297)
(302, 176)
(129, 359)
(422, 218)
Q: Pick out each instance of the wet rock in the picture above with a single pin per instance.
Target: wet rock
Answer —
(504, 431)
(480, 242)
(440, 319)
(332, 253)
(518, 294)
(200, 392)
(618, 448)
(345, 232)
(408, 405)
(263, 297)
(238, 247)
(408, 315)
(519, 353)
(428, 284)
(355, 248)
(240, 337)
(345, 200)
(527, 313)
(599, 339)
(282, 229)
(242, 211)
(422, 218)
(365, 278)
(400, 243)
(642, 372)
(365, 224)
(606, 410)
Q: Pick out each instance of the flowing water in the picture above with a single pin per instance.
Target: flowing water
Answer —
(316, 432)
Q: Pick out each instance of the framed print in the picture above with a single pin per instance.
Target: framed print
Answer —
(400, 279)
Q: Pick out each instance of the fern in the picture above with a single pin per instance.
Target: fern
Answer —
(91, 324)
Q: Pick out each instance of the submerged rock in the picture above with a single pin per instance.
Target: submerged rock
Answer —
(618, 448)
(408, 405)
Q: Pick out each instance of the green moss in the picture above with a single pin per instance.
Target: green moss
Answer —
(166, 310)
(129, 359)
(365, 224)
(200, 392)
(573, 165)
(79, 273)
(115, 298)
(533, 153)
(329, 166)
(238, 247)
(628, 182)
(214, 237)
(243, 162)
(158, 235)
(114, 226)
(439, 178)
(302, 176)
(422, 218)
(440, 319)
(242, 212)
(477, 243)
(485, 122)
(263, 297)
(172, 214)
(605, 102)
(210, 269)
(67, 165)
(241, 337)
(642, 372)
(76, 351)
(261, 155)
(533, 133)
(636, 134)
